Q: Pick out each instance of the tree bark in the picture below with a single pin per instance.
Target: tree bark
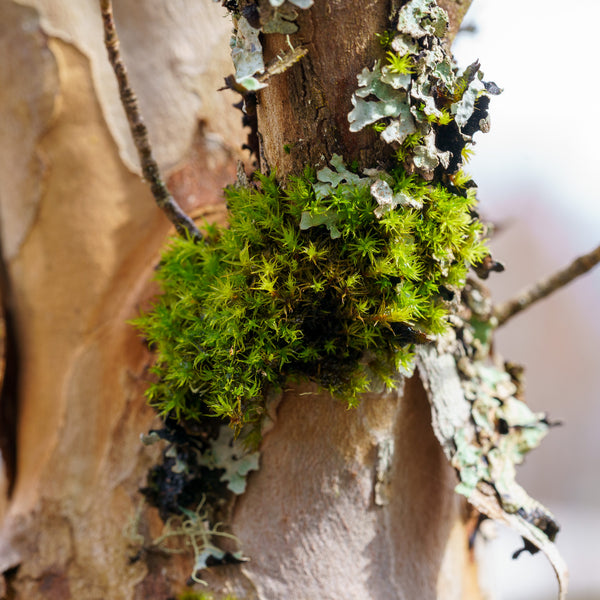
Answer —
(80, 239)
(306, 108)
(303, 113)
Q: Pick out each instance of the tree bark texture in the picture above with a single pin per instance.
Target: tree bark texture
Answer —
(80, 239)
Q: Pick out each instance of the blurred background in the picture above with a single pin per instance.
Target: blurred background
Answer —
(537, 174)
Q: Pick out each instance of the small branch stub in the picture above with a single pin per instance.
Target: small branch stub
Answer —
(544, 288)
(150, 170)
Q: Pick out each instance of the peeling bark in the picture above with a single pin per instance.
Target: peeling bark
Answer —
(80, 239)
(172, 50)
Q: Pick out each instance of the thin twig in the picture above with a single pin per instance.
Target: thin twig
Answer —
(150, 171)
(543, 288)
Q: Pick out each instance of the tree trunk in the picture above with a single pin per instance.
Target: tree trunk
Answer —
(80, 239)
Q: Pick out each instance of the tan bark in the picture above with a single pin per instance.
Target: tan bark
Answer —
(80, 239)
(309, 520)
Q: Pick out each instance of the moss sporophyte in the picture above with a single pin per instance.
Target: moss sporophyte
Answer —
(332, 276)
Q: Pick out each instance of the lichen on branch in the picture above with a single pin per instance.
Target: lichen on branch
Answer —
(418, 99)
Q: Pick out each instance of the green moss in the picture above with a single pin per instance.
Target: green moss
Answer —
(318, 278)
(191, 595)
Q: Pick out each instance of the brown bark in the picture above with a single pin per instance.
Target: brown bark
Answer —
(306, 107)
(308, 518)
(80, 238)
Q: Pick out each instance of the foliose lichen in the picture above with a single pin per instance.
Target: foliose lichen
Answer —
(506, 430)
(206, 460)
(247, 55)
(203, 469)
(484, 426)
(418, 99)
(250, 20)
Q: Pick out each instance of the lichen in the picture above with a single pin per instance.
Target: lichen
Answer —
(505, 429)
(298, 3)
(203, 459)
(419, 100)
(193, 487)
(276, 16)
(190, 530)
(247, 55)
(228, 455)
(484, 426)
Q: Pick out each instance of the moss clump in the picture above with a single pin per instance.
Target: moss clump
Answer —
(315, 279)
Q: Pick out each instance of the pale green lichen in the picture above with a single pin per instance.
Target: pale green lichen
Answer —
(192, 531)
(208, 464)
(299, 3)
(281, 20)
(229, 455)
(484, 426)
(486, 431)
(505, 431)
(251, 73)
(328, 179)
(189, 531)
(420, 18)
(390, 101)
(247, 55)
(387, 200)
(419, 95)
(399, 129)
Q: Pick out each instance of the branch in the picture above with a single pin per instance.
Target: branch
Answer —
(139, 132)
(547, 286)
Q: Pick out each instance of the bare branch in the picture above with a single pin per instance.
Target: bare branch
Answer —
(139, 132)
(543, 288)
